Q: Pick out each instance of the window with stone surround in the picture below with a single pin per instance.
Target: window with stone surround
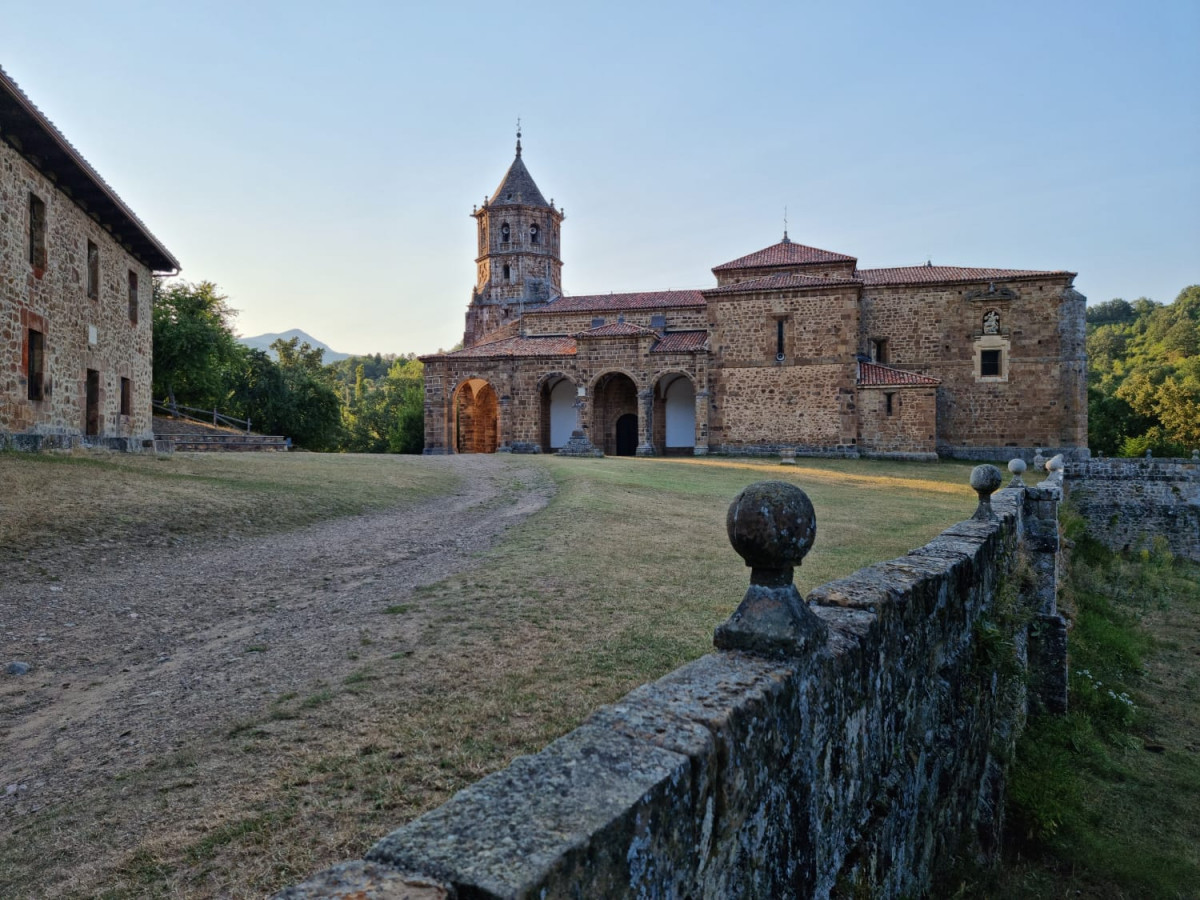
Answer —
(37, 232)
(93, 271)
(504, 233)
(888, 402)
(534, 234)
(780, 349)
(133, 297)
(35, 364)
(991, 358)
(879, 350)
(126, 397)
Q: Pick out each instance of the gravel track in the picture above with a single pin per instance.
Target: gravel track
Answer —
(137, 654)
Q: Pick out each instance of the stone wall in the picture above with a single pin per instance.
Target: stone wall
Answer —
(81, 333)
(547, 321)
(1039, 400)
(898, 421)
(853, 745)
(1129, 502)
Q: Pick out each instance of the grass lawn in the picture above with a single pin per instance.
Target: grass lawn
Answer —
(619, 580)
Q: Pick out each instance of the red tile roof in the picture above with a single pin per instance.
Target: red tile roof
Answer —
(616, 329)
(682, 342)
(605, 302)
(942, 274)
(874, 375)
(557, 345)
(785, 253)
(776, 282)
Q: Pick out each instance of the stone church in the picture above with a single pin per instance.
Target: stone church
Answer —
(793, 349)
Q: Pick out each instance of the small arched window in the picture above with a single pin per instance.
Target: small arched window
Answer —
(534, 236)
(504, 233)
(507, 273)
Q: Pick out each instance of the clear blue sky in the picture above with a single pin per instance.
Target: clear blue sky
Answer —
(319, 161)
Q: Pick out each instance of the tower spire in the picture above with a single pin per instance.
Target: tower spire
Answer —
(518, 135)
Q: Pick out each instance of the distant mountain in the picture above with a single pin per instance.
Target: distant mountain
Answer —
(264, 342)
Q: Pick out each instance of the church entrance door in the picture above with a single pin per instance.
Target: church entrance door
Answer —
(614, 408)
(627, 435)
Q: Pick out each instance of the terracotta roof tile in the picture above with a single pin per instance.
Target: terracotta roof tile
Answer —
(60, 154)
(606, 302)
(785, 253)
(776, 282)
(557, 345)
(874, 375)
(616, 329)
(941, 274)
(682, 342)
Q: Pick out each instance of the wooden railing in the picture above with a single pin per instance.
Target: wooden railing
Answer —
(217, 418)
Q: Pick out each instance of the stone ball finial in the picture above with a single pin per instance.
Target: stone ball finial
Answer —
(984, 481)
(772, 526)
(1038, 459)
(1017, 467)
(1056, 463)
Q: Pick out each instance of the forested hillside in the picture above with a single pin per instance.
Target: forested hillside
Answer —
(371, 404)
(1144, 376)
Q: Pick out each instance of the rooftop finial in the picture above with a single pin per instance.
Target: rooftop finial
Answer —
(785, 237)
(518, 135)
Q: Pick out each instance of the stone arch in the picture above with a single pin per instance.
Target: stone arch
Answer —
(556, 397)
(476, 408)
(614, 406)
(674, 431)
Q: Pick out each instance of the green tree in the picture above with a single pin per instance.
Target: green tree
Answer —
(1144, 376)
(194, 346)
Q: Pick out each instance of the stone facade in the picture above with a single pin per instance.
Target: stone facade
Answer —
(75, 294)
(970, 362)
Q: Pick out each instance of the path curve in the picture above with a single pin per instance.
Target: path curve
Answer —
(135, 661)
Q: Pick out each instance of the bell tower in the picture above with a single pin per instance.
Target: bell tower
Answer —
(518, 266)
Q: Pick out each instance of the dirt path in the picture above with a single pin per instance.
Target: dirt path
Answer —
(138, 654)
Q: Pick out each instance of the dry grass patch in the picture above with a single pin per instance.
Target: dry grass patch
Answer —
(57, 500)
(618, 581)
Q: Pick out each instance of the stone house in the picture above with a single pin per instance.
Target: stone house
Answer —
(793, 349)
(75, 293)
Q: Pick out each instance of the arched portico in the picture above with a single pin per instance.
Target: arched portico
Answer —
(476, 417)
(674, 431)
(557, 398)
(615, 411)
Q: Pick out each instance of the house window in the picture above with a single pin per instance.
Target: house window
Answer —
(989, 364)
(533, 234)
(37, 232)
(35, 364)
(779, 348)
(879, 350)
(126, 397)
(504, 233)
(133, 297)
(93, 271)
(888, 399)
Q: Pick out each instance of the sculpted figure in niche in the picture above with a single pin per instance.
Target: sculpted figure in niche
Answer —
(991, 322)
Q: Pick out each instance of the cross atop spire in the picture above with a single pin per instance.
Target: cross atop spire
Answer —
(785, 237)
(518, 135)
